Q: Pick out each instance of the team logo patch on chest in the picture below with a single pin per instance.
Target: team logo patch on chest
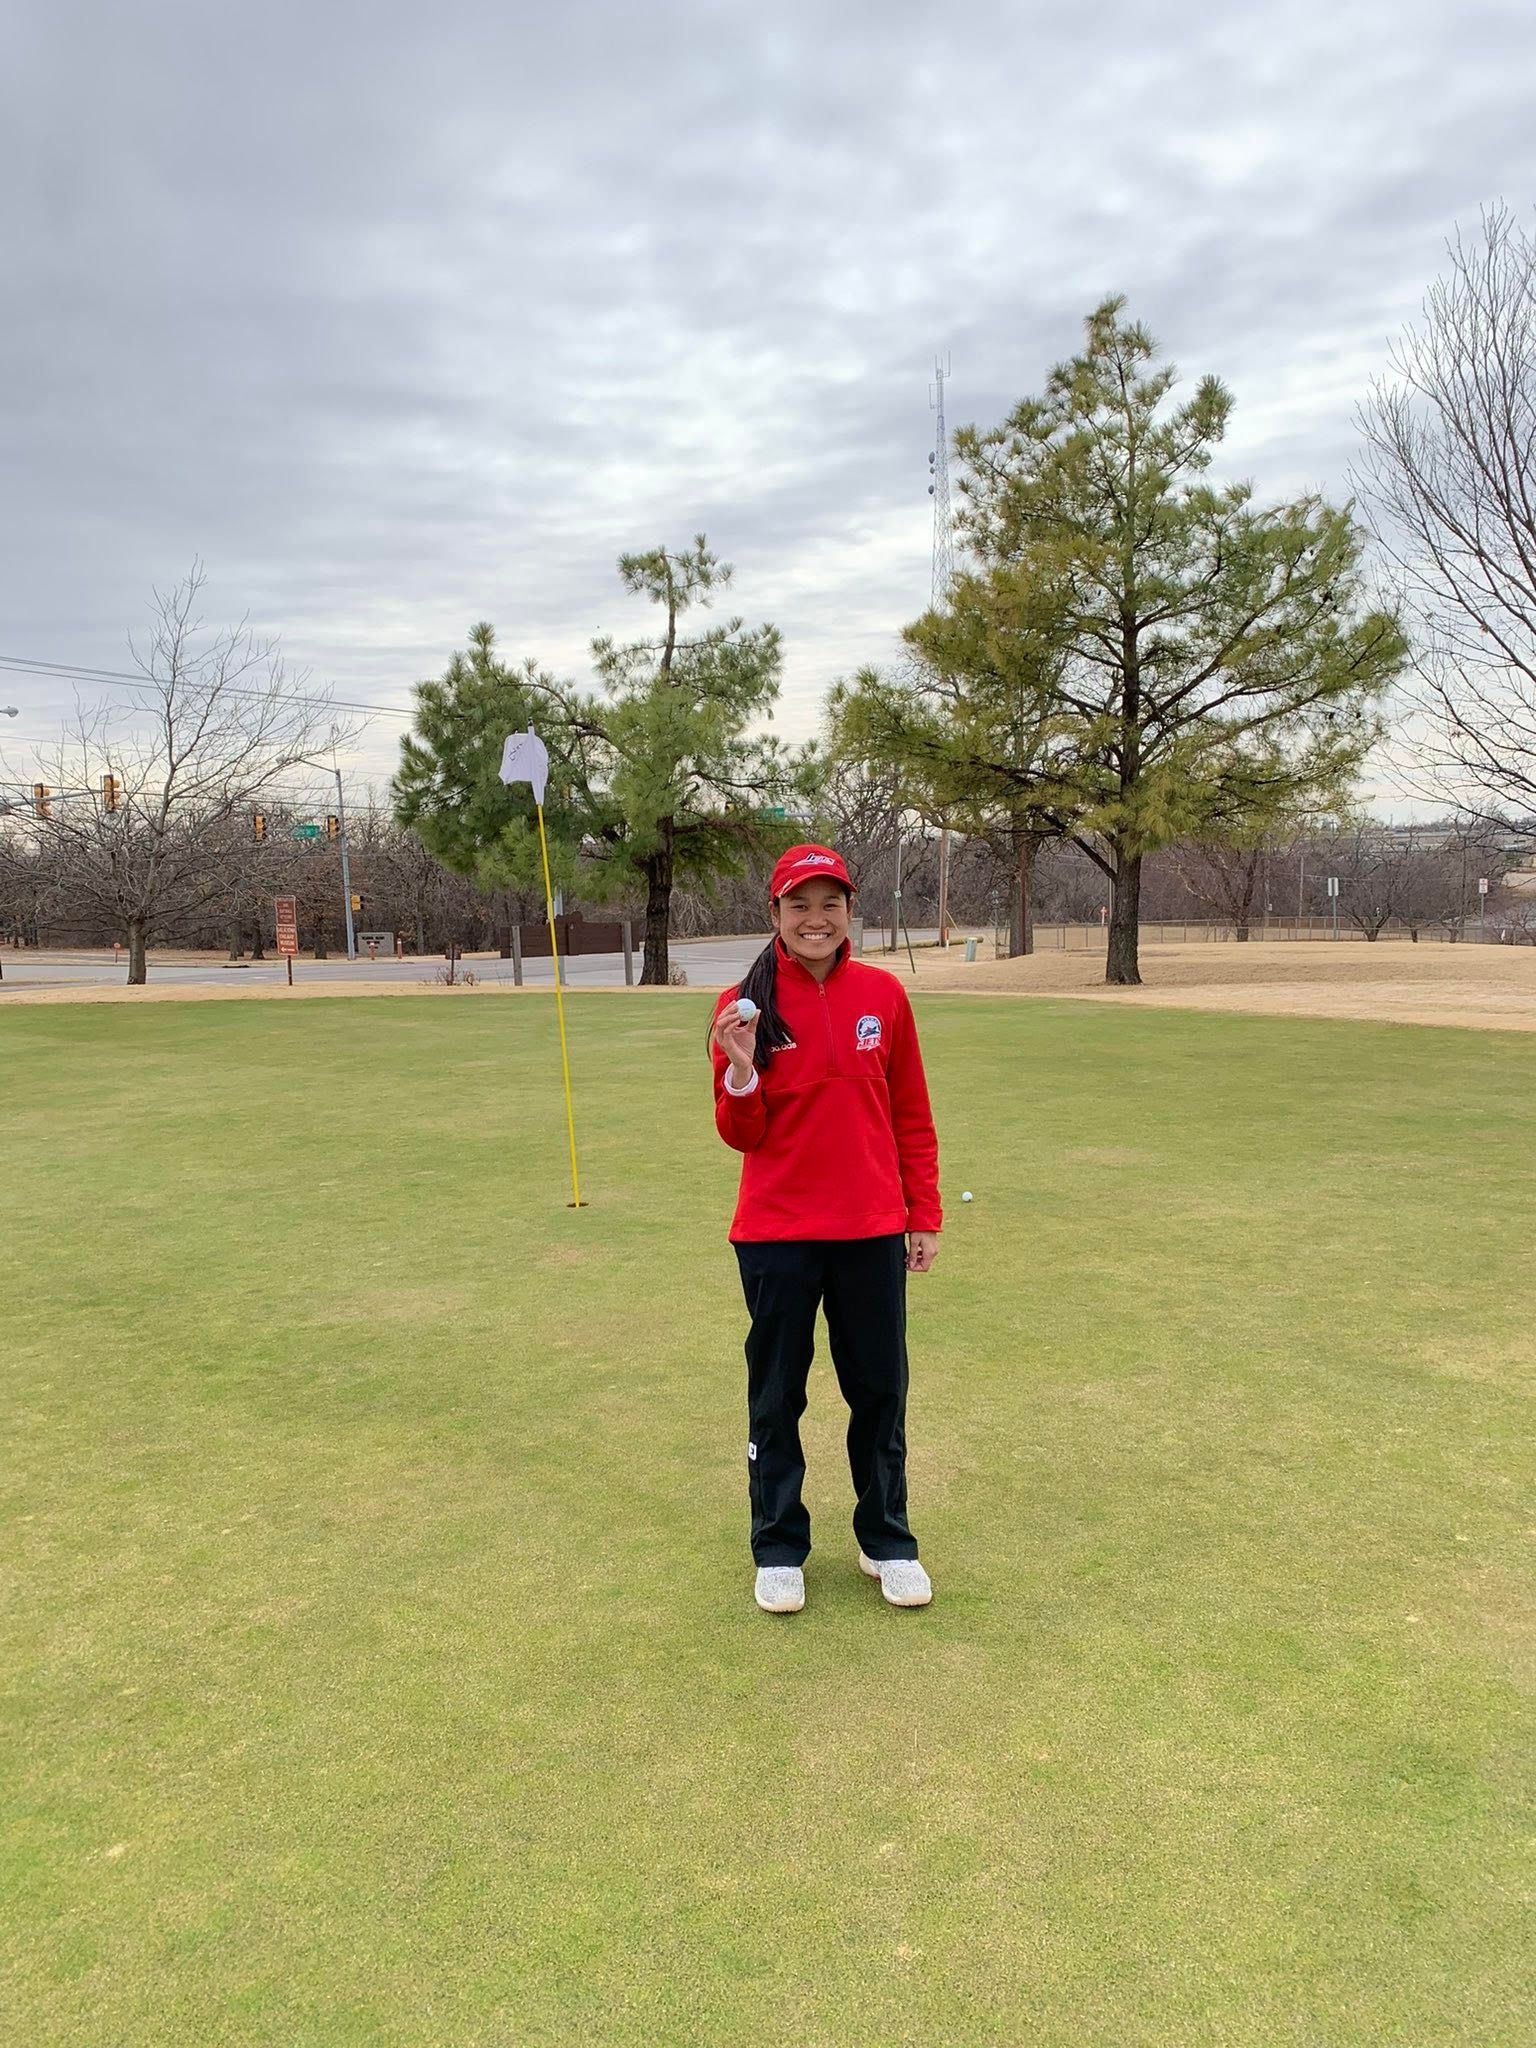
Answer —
(868, 1034)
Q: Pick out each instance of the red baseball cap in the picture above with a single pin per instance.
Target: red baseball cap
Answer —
(805, 864)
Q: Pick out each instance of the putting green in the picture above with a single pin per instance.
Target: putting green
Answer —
(381, 1663)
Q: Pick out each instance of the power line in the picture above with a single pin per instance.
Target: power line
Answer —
(358, 770)
(64, 671)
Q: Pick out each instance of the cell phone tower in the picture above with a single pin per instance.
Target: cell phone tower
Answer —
(943, 576)
(938, 488)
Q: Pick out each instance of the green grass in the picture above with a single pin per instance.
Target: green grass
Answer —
(381, 1665)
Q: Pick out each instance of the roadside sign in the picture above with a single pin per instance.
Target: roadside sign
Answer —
(288, 931)
(1482, 885)
(1333, 885)
(776, 811)
(307, 831)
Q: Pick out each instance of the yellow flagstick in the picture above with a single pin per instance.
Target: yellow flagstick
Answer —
(565, 1061)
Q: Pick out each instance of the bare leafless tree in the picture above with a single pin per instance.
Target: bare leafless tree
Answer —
(1228, 880)
(1449, 479)
(143, 796)
(1429, 889)
(28, 878)
(1514, 919)
(1369, 876)
(1389, 877)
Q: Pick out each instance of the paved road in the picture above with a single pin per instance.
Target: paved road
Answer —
(708, 963)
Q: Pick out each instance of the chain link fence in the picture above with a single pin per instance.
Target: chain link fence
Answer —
(1088, 938)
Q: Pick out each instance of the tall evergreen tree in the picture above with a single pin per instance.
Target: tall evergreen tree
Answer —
(1199, 659)
(448, 788)
(673, 780)
(655, 775)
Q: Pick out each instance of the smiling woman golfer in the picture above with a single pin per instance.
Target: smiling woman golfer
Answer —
(819, 1085)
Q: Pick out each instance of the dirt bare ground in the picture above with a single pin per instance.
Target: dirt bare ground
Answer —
(1487, 988)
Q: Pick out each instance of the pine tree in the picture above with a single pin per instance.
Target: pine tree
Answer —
(655, 776)
(1199, 660)
(674, 779)
(448, 788)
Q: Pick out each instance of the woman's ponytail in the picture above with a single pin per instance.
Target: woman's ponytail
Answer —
(761, 983)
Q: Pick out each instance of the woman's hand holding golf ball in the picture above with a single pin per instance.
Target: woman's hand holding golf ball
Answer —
(736, 1036)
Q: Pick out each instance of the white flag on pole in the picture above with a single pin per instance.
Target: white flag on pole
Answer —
(525, 758)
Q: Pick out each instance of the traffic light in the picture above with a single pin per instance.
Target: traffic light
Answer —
(111, 794)
(333, 828)
(258, 826)
(41, 804)
(357, 901)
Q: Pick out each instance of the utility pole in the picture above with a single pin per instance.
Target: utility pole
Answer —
(896, 892)
(943, 576)
(1461, 918)
(898, 920)
(346, 868)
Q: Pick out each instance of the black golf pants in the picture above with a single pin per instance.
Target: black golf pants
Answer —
(862, 1284)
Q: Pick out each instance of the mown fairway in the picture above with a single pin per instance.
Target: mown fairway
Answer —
(380, 1658)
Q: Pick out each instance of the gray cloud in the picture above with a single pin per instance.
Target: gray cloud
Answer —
(402, 318)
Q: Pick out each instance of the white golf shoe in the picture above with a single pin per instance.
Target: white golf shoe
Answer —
(780, 1588)
(902, 1580)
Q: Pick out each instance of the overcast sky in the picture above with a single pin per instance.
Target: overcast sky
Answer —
(402, 316)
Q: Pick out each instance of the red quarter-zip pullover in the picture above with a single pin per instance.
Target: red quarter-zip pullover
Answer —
(837, 1136)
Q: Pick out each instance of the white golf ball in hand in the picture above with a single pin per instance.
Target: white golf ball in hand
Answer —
(746, 1009)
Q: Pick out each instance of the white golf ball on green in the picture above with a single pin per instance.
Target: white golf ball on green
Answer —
(967, 1196)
